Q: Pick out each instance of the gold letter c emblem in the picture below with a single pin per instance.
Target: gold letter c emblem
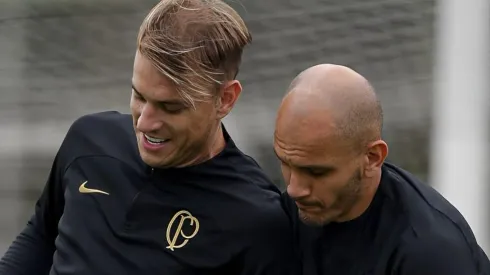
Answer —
(184, 216)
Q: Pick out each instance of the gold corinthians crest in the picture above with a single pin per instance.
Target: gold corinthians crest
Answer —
(181, 228)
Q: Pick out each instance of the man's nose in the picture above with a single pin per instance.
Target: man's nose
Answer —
(298, 188)
(149, 119)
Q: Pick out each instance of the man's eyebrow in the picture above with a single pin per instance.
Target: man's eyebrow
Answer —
(166, 102)
(275, 153)
(134, 89)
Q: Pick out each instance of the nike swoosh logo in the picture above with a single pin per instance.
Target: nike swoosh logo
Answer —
(86, 190)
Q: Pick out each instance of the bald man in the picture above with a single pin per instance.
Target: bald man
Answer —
(355, 213)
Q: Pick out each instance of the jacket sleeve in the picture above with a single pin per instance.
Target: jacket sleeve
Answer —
(32, 250)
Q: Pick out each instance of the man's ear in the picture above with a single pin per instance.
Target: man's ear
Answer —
(376, 154)
(228, 96)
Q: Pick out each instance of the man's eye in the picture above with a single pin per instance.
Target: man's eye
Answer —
(137, 96)
(174, 109)
(317, 172)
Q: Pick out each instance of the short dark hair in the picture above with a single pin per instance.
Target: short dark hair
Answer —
(361, 123)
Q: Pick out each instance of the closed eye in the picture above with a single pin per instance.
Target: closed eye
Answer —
(137, 95)
(173, 108)
(317, 172)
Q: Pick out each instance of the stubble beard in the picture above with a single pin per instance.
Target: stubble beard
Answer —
(348, 198)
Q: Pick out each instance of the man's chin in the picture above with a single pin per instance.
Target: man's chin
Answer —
(155, 161)
(313, 220)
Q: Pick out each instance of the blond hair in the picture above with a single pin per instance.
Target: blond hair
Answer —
(197, 44)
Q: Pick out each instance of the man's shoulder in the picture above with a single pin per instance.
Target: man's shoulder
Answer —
(424, 206)
(258, 199)
(432, 222)
(246, 174)
(99, 134)
(254, 199)
(91, 124)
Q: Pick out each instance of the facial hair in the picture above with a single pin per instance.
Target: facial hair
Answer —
(347, 198)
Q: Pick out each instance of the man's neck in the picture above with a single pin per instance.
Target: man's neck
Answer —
(214, 145)
(365, 199)
(217, 142)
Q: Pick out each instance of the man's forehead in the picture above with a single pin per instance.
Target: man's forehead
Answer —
(149, 81)
(316, 144)
(158, 93)
(304, 156)
(301, 142)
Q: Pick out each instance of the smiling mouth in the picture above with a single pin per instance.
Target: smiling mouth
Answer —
(154, 140)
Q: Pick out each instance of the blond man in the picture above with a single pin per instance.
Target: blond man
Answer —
(163, 190)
